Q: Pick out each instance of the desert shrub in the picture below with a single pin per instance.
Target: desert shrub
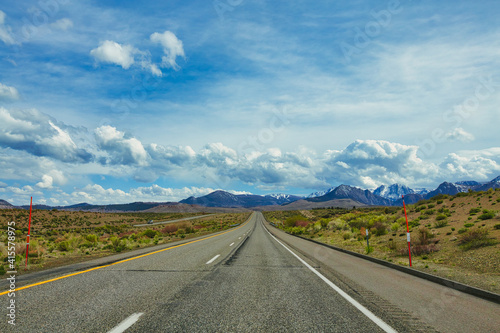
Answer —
(401, 221)
(424, 236)
(91, 238)
(179, 232)
(317, 226)
(296, 220)
(117, 244)
(497, 226)
(462, 230)
(149, 233)
(468, 225)
(297, 230)
(63, 246)
(379, 229)
(170, 228)
(395, 226)
(487, 215)
(476, 238)
(474, 211)
(431, 206)
(324, 223)
(347, 235)
(415, 223)
(441, 223)
(338, 224)
(441, 217)
(429, 212)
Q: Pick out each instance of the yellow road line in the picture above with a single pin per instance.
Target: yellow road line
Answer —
(122, 261)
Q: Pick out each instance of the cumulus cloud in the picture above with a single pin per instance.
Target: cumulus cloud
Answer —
(476, 165)
(97, 194)
(368, 163)
(119, 148)
(459, 134)
(114, 53)
(5, 31)
(8, 93)
(172, 47)
(40, 135)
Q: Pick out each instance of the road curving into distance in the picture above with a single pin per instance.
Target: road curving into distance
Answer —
(252, 278)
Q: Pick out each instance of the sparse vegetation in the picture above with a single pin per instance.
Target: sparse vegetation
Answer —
(457, 235)
(59, 237)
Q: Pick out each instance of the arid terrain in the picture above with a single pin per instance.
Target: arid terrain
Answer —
(456, 237)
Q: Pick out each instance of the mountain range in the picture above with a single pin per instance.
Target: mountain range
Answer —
(340, 196)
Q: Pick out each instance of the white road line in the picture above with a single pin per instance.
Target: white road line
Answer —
(213, 259)
(380, 323)
(231, 244)
(124, 325)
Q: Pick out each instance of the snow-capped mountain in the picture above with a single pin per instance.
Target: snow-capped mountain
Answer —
(349, 192)
(393, 192)
(320, 193)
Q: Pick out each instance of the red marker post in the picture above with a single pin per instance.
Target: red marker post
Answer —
(407, 230)
(28, 240)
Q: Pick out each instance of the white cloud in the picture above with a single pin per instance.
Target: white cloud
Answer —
(119, 148)
(5, 31)
(8, 93)
(172, 47)
(459, 134)
(476, 165)
(62, 24)
(40, 135)
(112, 52)
(367, 163)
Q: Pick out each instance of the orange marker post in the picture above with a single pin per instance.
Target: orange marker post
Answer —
(28, 240)
(407, 230)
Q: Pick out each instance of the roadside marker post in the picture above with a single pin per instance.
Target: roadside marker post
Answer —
(407, 230)
(28, 239)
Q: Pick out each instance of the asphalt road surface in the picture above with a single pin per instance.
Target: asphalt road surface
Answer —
(245, 280)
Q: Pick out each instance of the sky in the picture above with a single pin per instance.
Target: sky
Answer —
(120, 101)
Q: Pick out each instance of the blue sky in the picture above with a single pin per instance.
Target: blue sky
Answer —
(158, 101)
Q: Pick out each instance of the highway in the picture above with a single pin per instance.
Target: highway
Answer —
(246, 280)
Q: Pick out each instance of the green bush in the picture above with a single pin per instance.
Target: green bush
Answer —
(497, 226)
(474, 211)
(149, 233)
(441, 217)
(63, 246)
(441, 223)
(468, 225)
(347, 235)
(487, 215)
(476, 238)
(92, 238)
(462, 230)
